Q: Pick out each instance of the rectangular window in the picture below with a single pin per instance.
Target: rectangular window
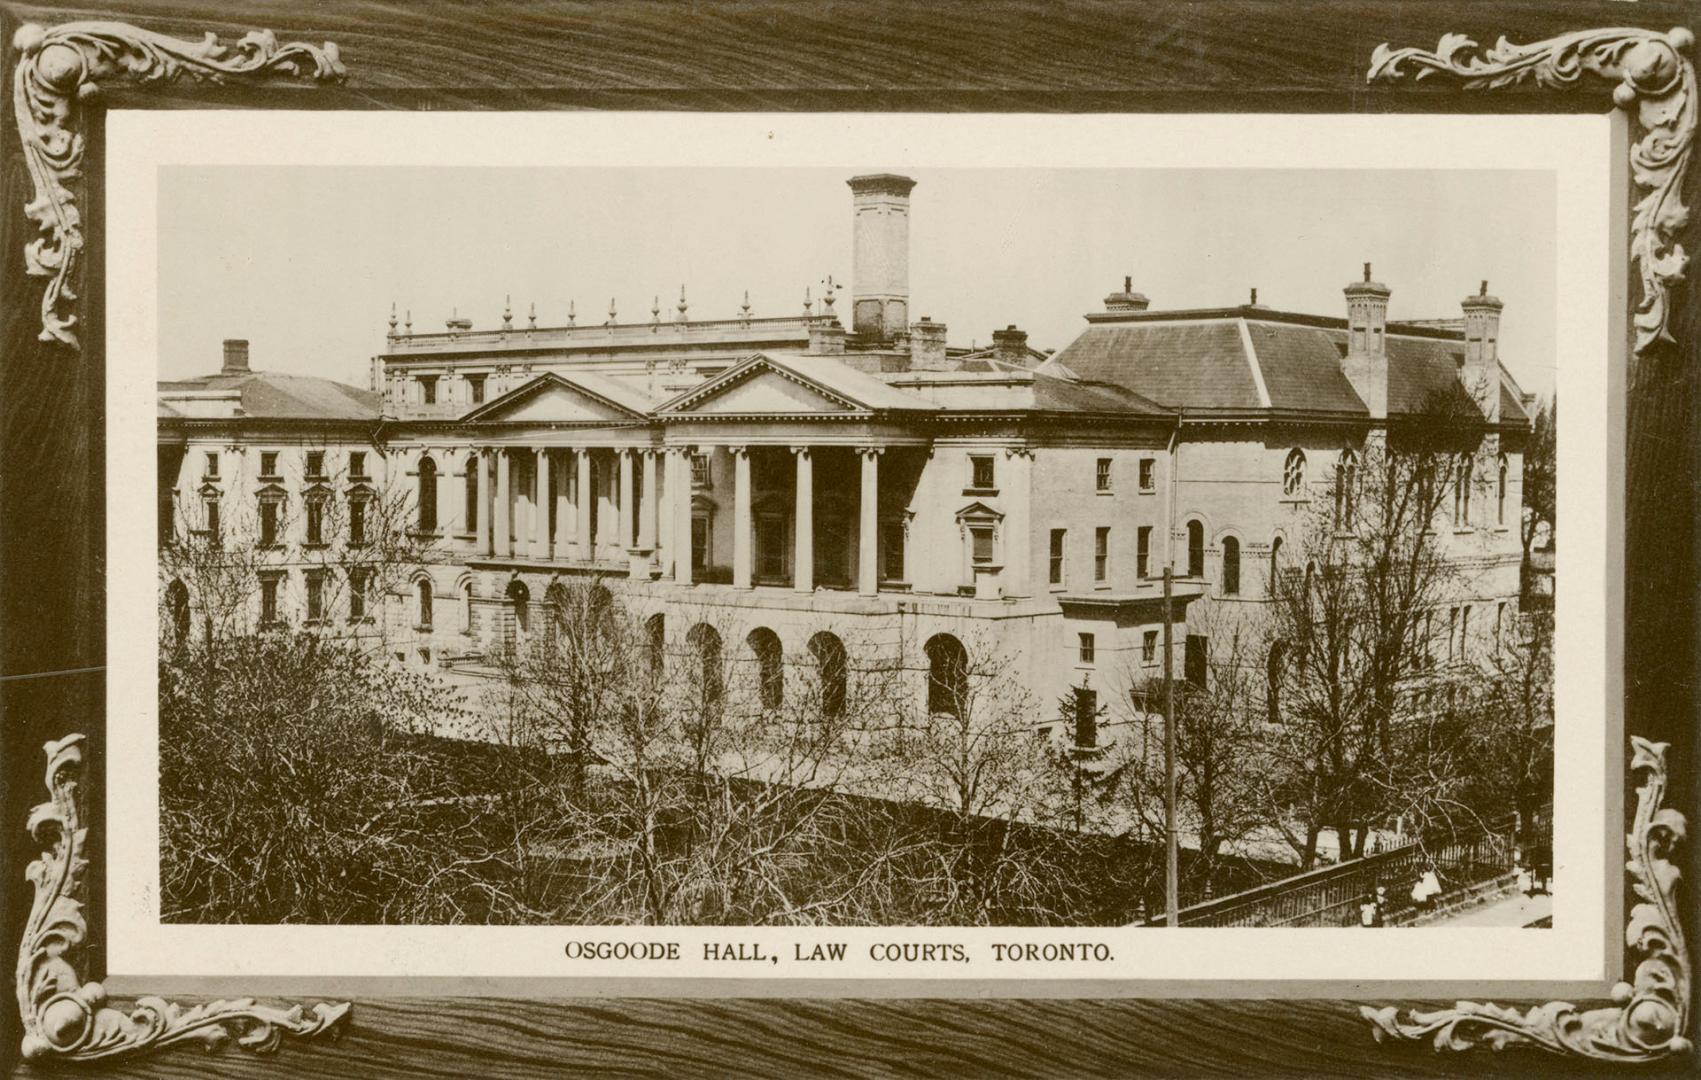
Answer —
(316, 521)
(1149, 647)
(699, 543)
(1464, 633)
(315, 595)
(981, 476)
(212, 507)
(1058, 538)
(1087, 650)
(892, 551)
(357, 521)
(357, 463)
(211, 472)
(980, 540)
(1086, 717)
(268, 463)
(1452, 634)
(269, 600)
(1148, 474)
(268, 522)
(1195, 660)
(1101, 477)
(770, 547)
(428, 389)
(1499, 625)
(700, 470)
(357, 584)
(315, 463)
(1143, 552)
(1101, 553)
(475, 385)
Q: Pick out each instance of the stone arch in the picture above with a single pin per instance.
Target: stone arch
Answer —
(947, 675)
(765, 646)
(832, 669)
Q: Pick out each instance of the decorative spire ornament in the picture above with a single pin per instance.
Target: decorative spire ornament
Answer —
(508, 312)
(392, 318)
(572, 316)
(828, 299)
(655, 310)
(531, 315)
(409, 324)
(681, 317)
(611, 312)
(745, 307)
(808, 304)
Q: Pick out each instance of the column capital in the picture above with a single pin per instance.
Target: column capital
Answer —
(738, 450)
(800, 449)
(1019, 451)
(871, 451)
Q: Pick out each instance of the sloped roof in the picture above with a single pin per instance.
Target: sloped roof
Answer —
(268, 395)
(1208, 362)
(1025, 391)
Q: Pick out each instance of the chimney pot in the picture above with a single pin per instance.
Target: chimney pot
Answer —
(235, 356)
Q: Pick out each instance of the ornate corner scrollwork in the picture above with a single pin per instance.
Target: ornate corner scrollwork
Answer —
(57, 73)
(1647, 1019)
(1651, 73)
(66, 1019)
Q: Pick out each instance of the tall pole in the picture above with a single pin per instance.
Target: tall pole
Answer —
(1172, 885)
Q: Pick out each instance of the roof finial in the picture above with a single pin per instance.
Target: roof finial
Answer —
(508, 312)
(745, 307)
(611, 313)
(1367, 271)
(682, 303)
(655, 309)
(808, 304)
(1254, 301)
(572, 316)
(828, 299)
(1484, 290)
(1127, 282)
(409, 324)
(392, 318)
(531, 315)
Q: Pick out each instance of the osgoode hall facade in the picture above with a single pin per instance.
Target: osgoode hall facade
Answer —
(811, 490)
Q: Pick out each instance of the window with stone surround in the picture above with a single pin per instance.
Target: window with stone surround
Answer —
(1293, 474)
(982, 475)
(1148, 474)
(1059, 538)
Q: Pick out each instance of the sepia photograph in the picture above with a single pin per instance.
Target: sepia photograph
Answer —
(882, 546)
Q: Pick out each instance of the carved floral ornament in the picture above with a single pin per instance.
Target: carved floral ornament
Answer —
(67, 1019)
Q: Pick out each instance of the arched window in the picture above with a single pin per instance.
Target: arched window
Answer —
(466, 606)
(1293, 474)
(555, 604)
(1275, 564)
(519, 598)
(947, 675)
(1231, 566)
(833, 669)
(655, 644)
(427, 495)
(705, 643)
(1346, 490)
(177, 610)
(423, 592)
(1500, 494)
(472, 493)
(770, 666)
(1195, 549)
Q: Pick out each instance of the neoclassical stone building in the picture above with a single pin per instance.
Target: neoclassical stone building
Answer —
(816, 491)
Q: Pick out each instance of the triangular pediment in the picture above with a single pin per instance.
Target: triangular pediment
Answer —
(554, 399)
(759, 386)
(978, 511)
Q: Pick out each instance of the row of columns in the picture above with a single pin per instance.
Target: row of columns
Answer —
(671, 536)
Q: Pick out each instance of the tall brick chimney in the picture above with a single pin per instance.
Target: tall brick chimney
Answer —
(1010, 345)
(235, 357)
(1481, 371)
(880, 266)
(1366, 362)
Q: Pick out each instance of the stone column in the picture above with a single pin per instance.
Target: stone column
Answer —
(742, 532)
(583, 495)
(868, 538)
(563, 514)
(682, 516)
(647, 509)
(500, 525)
(624, 520)
(803, 523)
(664, 512)
(540, 506)
(486, 469)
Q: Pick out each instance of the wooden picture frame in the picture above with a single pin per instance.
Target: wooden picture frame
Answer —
(66, 67)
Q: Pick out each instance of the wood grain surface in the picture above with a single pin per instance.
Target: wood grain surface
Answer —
(1246, 55)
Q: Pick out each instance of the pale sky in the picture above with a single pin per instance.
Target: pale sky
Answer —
(305, 261)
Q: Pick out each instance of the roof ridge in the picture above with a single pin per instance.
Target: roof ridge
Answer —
(1252, 363)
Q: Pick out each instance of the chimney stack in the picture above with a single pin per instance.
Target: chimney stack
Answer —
(1010, 345)
(1481, 370)
(1127, 299)
(880, 292)
(927, 346)
(1366, 362)
(235, 356)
